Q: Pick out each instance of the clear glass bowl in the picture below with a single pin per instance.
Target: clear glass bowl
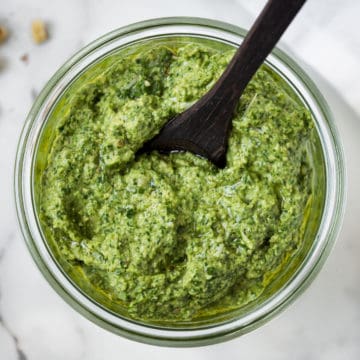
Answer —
(320, 234)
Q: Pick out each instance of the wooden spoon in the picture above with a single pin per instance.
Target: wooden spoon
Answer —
(204, 128)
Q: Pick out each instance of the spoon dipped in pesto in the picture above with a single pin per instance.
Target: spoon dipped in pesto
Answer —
(204, 128)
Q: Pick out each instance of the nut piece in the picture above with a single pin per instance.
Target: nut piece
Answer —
(39, 31)
(3, 34)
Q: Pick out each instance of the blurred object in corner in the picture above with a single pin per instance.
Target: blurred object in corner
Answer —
(3, 34)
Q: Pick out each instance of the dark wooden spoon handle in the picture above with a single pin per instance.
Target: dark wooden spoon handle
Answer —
(260, 40)
(204, 127)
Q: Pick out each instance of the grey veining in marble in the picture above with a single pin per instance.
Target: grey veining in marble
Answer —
(35, 324)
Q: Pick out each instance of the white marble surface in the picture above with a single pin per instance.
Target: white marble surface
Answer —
(36, 324)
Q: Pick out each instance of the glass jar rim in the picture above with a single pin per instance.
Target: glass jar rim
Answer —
(330, 221)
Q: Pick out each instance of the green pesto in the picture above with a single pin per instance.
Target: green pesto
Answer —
(171, 236)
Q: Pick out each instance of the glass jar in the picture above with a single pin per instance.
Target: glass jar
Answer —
(327, 209)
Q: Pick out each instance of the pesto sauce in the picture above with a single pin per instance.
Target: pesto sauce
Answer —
(170, 236)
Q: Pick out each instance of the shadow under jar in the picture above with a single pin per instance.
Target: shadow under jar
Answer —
(221, 319)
